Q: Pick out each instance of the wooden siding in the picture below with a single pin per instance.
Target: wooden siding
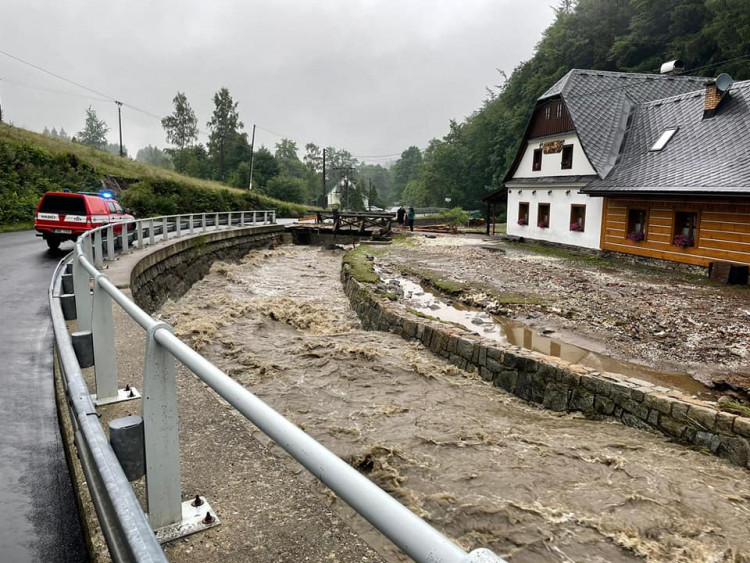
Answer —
(541, 126)
(723, 228)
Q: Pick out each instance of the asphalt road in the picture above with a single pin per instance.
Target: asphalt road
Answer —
(39, 518)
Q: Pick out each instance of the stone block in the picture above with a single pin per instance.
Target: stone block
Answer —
(653, 417)
(634, 421)
(513, 360)
(582, 400)
(734, 449)
(596, 385)
(437, 341)
(658, 402)
(703, 417)
(427, 336)
(465, 348)
(420, 331)
(679, 411)
(671, 426)
(410, 328)
(475, 354)
(547, 371)
(742, 426)
(486, 374)
(494, 353)
(604, 405)
(452, 343)
(707, 440)
(570, 378)
(524, 386)
(482, 355)
(725, 422)
(506, 379)
(555, 397)
(494, 366)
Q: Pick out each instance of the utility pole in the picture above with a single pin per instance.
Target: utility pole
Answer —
(324, 202)
(119, 122)
(252, 157)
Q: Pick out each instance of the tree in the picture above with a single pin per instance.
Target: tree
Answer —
(404, 170)
(289, 162)
(225, 126)
(265, 167)
(94, 133)
(182, 125)
(154, 157)
(286, 188)
(62, 134)
(46, 132)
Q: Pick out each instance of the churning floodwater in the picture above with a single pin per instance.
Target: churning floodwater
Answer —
(482, 466)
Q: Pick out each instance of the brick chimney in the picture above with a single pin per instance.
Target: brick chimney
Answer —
(716, 91)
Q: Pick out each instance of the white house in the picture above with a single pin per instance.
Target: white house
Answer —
(574, 137)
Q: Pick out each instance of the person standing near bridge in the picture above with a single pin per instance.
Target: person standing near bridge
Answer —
(400, 215)
(410, 217)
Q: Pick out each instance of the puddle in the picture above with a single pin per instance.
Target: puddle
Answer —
(504, 331)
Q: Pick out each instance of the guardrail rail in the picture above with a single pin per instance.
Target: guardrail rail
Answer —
(130, 534)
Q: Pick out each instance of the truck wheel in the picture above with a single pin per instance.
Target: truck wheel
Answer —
(53, 243)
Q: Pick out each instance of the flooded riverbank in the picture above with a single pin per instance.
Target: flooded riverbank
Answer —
(482, 466)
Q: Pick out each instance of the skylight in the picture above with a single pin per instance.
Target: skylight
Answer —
(662, 141)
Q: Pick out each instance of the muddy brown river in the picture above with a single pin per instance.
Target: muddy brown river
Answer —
(483, 466)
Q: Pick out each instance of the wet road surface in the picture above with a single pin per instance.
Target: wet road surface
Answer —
(39, 519)
(480, 465)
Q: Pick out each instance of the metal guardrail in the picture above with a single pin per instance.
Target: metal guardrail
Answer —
(126, 528)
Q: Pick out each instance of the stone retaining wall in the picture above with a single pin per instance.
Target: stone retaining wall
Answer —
(559, 385)
(171, 270)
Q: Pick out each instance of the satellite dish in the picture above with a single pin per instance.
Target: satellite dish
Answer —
(724, 82)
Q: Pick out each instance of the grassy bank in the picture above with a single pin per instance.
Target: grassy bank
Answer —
(31, 164)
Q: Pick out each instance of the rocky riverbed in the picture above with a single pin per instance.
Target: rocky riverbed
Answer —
(665, 319)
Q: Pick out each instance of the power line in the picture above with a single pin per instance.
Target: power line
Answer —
(52, 90)
(74, 83)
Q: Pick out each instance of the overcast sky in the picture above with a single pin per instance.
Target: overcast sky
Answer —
(369, 76)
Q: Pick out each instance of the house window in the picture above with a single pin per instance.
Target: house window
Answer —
(577, 217)
(559, 110)
(523, 213)
(537, 164)
(636, 225)
(543, 216)
(567, 157)
(685, 229)
(547, 112)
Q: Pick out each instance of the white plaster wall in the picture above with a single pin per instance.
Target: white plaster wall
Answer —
(559, 228)
(551, 162)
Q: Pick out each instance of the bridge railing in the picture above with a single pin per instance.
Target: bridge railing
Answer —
(125, 526)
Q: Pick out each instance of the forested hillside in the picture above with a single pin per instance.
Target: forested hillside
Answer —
(710, 36)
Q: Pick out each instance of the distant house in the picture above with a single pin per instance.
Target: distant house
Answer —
(347, 191)
(634, 163)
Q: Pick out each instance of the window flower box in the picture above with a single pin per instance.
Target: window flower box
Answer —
(576, 227)
(542, 225)
(682, 241)
(637, 236)
(523, 221)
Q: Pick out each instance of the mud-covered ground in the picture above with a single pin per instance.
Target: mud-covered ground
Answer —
(666, 319)
(482, 466)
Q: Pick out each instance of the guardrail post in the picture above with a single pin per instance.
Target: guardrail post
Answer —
(102, 328)
(98, 258)
(273, 216)
(254, 218)
(216, 222)
(203, 222)
(165, 229)
(178, 228)
(265, 217)
(110, 243)
(161, 433)
(242, 218)
(191, 224)
(139, 231)
(81, 282)
(151, 233)
(124, 238)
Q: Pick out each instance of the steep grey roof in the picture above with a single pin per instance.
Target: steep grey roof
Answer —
(600, 102)
(704, 155)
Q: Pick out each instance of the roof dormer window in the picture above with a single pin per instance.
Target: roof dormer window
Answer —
(665, 137)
